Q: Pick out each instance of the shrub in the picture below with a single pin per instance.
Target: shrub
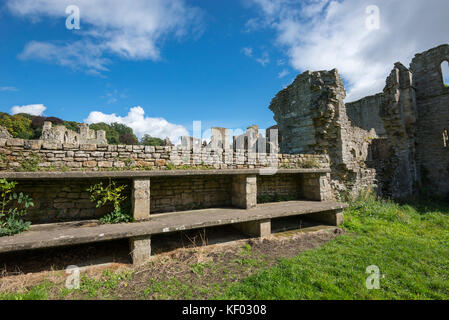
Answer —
(10, 216)
(148, 140)
(129, 139)
(30, 163)
(111, 194)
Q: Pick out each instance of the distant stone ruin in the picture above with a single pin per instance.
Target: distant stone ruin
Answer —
(4, 134)
(396, 139)
(61, 134)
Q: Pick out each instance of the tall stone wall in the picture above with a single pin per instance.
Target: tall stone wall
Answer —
(432, 97)
(311, 116)
(365, 114)
(398, 113)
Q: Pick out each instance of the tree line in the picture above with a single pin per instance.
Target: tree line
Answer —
(26, 126)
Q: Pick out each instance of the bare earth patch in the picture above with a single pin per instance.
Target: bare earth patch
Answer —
(192, 272)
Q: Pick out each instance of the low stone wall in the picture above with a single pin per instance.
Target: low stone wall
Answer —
(185, 193)
(33, 155)
(279, 185)
(57, 200)
(64, 200)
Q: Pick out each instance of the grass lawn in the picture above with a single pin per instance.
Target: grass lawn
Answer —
(409, 243)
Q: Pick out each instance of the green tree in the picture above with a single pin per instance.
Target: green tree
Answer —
(111, 135)
(19, 125)
(116, 130)
(148, 140)
(72, 125)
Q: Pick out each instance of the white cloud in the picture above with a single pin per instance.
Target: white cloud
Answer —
(33, 109)
(130, 29)
(249, 52)
(283, 73)
(327, 34)
(264, 59)
(8, 89)
(141, 125)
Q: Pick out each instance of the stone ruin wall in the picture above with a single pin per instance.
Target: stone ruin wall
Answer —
(411, 156)
(396, 140)
(60, 134)
(311, 117)
(432, 99)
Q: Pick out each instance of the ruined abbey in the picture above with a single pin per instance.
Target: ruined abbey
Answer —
(395, 140)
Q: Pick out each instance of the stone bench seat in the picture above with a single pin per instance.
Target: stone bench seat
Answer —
(152, 173)
(80, 232)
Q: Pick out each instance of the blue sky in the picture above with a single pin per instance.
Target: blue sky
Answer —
(220, 62)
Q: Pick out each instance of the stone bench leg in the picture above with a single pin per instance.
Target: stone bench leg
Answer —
(141, 199)
(334, 218)
(244, 191)
(261, 228)
(316, 187)
(140, 247)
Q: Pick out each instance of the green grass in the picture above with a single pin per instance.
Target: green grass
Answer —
(39, 292)
(409, 243)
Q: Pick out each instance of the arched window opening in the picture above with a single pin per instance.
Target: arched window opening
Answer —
(445, 138)
(445, 72)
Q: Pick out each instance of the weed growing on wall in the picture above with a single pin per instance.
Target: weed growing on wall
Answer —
(13, 207)
(111, 194)
(30, 163)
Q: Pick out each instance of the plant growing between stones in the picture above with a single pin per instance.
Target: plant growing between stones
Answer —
(13, 207)
(111, 194)
(30, 163)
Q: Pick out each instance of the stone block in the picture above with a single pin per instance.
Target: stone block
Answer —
(88, 147)
(141, 199)
(140, 248)
(261, 228)
(334, 218)
(244, 191)
(33, 144)
(90, 164)
(15, 142)
(51, 146)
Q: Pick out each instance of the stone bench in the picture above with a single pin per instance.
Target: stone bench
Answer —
(255, 221)
(247, 215)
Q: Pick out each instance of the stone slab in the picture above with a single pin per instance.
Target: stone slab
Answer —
(60, 235)
(144, 174)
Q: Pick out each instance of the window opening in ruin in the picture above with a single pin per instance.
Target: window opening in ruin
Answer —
(445, 138)
(445, 72)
